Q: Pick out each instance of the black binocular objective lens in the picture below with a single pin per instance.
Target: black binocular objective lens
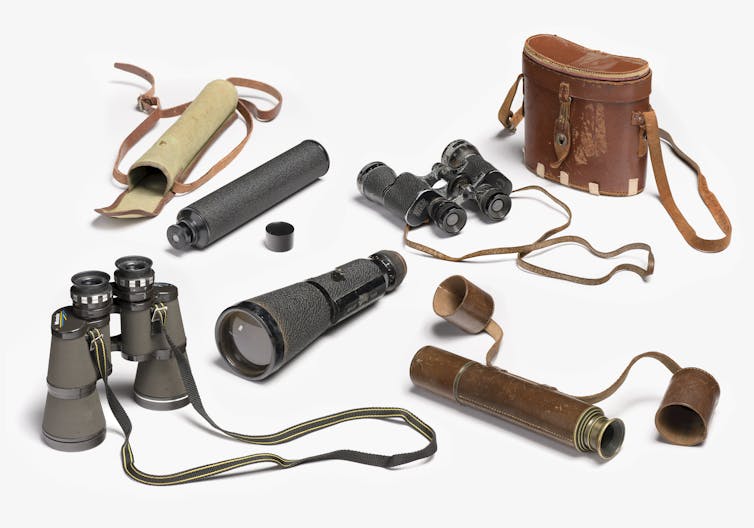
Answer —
(494, 203)
(91, 294)
(448, 216)
(258, 336)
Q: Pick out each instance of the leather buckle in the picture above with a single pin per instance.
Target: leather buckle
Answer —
(147, 103)
(508, 123)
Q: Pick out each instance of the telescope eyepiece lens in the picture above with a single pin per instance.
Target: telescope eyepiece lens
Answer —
(179, 235)
(611, 439)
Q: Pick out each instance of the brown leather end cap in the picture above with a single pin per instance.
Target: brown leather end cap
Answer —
(686, 409)
(463, 304)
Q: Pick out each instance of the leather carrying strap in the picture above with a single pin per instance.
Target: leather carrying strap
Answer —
(545, 241)
(655, 134)
(496, 333)
(101, 356)
(509, 119)
(671, 365)
(149, 103)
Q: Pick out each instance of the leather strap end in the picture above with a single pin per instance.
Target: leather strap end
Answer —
(654, 137)
(510, 120)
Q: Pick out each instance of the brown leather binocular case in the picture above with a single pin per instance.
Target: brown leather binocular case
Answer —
(589, 125)
(681, 419)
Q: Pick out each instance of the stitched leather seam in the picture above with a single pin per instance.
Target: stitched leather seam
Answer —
(591, 83)
(578, 71)
(513, 418)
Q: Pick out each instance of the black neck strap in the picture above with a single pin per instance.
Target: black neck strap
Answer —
(101, 356)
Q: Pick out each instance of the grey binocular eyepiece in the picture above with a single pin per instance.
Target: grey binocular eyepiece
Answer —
(91, 294)
(410, 197)
(134, 278)
(258, 336)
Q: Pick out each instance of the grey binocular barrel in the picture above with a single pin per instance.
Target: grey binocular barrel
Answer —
(73, 418)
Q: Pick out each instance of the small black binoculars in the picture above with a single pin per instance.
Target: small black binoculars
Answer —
(73, 417)
(418, 199)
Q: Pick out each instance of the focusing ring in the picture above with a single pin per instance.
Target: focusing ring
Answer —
(134, 278)
(91, 294)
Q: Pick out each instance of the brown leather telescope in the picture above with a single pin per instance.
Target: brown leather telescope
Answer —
(682, 418)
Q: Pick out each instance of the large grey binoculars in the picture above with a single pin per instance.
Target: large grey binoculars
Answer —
(73, 417)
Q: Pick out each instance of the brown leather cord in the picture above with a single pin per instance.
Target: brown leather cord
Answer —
(496, 333)
(671, 365)
(654, 135)
(545, 241)
(509, 119)
(149, 103)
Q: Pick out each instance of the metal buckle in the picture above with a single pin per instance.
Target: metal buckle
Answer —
(147, 103)
(159, 317)
(95, 337)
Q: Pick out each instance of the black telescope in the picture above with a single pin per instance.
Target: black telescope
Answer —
(259, 335)
(231, 206)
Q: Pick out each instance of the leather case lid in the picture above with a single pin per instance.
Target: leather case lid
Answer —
(562, 55)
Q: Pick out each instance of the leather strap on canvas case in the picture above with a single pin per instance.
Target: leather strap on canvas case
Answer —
(223, 107)
(654, 135)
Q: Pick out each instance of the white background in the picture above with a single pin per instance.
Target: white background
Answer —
(394, 81)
